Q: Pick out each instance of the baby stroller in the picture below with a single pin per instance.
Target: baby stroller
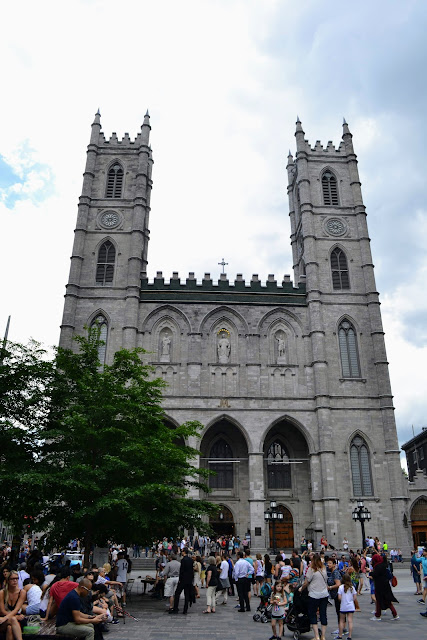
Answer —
(263, 611)
(297, 617)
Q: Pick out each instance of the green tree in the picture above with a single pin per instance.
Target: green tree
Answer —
(26, 374)
(111, 465)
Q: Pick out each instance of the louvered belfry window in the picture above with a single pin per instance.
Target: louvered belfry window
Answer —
(340, 279)
(360, 467)
(329, 189)
(115, 181)
(348, 350)
(101, 323)
(105, 266)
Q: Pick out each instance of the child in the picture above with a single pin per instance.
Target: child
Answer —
(346, 596)
(278, 600)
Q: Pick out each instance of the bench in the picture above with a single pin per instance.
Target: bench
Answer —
(48, 631)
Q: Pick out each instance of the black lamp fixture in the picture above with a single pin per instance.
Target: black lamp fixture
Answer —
(361, 514)
(272, 515)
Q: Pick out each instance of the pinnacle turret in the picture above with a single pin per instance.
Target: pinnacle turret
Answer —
(97, 119)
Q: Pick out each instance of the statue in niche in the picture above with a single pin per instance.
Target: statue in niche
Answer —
(165, 347)
(281, 347)
(223, 348)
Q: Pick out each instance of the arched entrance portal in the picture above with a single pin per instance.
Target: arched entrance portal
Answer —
(283, 530)
(419, 522)
(223, 522)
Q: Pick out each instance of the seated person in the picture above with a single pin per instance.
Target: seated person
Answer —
(33, 592)
(70, 619)
(11, 601)
(58, 591)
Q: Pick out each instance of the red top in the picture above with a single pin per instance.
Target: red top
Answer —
(59, 590)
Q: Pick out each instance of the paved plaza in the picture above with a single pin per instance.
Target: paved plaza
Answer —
(155, 623)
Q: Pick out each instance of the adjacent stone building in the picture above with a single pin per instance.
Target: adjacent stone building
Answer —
(290, 380)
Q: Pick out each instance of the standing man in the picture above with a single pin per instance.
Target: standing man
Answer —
(122, 570)
(70, 620)
(171, 576)
(185, 582)
(241, 572)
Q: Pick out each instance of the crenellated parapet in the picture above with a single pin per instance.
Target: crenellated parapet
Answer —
(239, 291)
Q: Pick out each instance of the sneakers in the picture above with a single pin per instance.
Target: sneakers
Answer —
(374, 618)
(396, 618)
(423, 614)
(337, 632)
(421, 601)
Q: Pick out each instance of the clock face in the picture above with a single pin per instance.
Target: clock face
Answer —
(110, 219)
(335, 227)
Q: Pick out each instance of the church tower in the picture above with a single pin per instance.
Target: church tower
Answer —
(352, 392)
(289, 380)
(111, 238)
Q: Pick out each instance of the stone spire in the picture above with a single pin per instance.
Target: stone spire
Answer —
(146, 128)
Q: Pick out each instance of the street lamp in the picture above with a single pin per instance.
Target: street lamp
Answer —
(362, 514)
(271, 515)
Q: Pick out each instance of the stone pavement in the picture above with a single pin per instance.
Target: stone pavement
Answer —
(155, 624)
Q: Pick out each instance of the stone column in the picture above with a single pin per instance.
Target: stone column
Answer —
(257, 501)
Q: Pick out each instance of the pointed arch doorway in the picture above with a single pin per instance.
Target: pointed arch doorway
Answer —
(222, 522)
(419, 522)
(283, 530)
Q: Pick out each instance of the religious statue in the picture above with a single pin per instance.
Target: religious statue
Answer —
(223, 348)
(281, 348)
(165, 348)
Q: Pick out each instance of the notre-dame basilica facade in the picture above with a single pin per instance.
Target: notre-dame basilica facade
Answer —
(289, 379)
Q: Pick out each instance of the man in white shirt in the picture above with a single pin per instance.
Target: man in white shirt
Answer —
(122, 566)
(242, 569)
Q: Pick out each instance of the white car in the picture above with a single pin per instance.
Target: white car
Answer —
(76, 558)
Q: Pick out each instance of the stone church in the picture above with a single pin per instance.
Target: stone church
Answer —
(288, 378)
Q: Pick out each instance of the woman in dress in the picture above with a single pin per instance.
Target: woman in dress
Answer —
(259, 573)
(316, 580)
(197, 582)
(11, 600)
(384, 597)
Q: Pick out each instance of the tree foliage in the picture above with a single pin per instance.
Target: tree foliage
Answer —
(104, 463)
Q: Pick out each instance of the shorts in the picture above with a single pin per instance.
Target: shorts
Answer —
(259, 578)
(170, 587)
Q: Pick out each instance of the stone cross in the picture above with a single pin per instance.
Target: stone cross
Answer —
(223, 264)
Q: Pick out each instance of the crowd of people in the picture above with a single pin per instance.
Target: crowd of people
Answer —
(319, 579)
(81, 601)
(84, 601)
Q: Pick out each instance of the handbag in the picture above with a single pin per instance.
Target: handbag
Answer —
(394, 581)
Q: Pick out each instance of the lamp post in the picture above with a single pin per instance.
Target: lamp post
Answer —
(272, 515)
(362, 514)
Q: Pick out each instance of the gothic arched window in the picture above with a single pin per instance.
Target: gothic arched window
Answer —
(114, 181)
(348, 350)
(105, 265)
(278, 467)
(360, 467)
(329, 189)
(101, 324)
(340, 279)
(221, 451)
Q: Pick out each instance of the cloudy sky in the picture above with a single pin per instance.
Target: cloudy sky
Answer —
(224, 81)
